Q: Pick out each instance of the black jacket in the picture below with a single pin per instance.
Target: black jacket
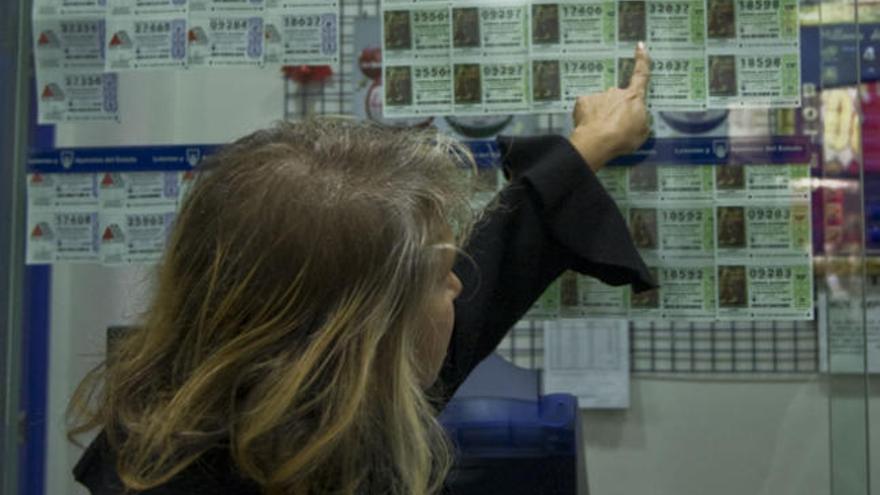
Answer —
(554, 216)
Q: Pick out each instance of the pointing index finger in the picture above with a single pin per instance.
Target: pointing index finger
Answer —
(641, 72)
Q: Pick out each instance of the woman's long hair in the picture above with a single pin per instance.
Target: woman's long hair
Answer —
(287, 318)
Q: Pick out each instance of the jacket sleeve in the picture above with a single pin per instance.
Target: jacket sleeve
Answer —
(553, 216)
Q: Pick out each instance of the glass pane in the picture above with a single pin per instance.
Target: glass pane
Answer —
(754, 204)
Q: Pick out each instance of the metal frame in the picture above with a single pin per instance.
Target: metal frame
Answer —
(15, 108)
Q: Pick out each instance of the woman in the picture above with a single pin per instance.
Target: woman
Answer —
(306, 325)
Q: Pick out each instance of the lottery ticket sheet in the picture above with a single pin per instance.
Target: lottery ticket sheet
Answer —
(111, 218)
(723, 242)
(80, 45)
(706, 54)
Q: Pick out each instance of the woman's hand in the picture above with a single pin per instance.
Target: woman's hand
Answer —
(614, 122)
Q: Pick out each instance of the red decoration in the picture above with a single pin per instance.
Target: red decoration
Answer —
(370, 63)
(307, 74)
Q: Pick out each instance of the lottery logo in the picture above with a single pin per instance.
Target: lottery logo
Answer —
(48, 39)
(52, 92)
(193, 156)
(468, 88)
(120, 39)
(546, 85)
(111, 181)
(112, 235)
(545, 24)
(733, 289)
(67, 158)
(197, 36)
(42, 232)
(722, 19)
(272, 35)
(722, 75)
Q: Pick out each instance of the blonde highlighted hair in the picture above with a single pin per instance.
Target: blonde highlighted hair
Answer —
(287, 317)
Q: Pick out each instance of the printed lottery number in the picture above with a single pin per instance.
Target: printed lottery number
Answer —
(670, 65)
(151, 27)
(500, 14)
(760, 5)
(681, 274)
(683, 216)
(302, 21)
(584, 67)
(219, 24)
(429, 72)
(430, 16)
(146, 220)
(769, 273)
(582, 10)
(760, 62)
(668, 8)
(79, 27)
(82, 81)
(769, 214)
(74, 219)
(503, 70)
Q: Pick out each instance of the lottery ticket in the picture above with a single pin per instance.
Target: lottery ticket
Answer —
(302, 36)
(678, 81)
(60, 191)
(146, 7)
(138, 189)
(134, 236)
(225, 40)
(567, 27)
(556, 83)
(745, 182)
(63, 42)
(765, 230)
(418, 89)
(490, 87)
(765, 291)
(688, 290)
(157, 41)
(752, 78)
(69, 7)
(70, 236)
(675, 23)
(490, 29)
(752, 22)
(66, 96)
(772, 22)
(686, 182)
(677, 230)
(417, 32)
(586, 296)
(241, 7)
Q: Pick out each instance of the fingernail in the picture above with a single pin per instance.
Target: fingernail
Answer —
(641, 45)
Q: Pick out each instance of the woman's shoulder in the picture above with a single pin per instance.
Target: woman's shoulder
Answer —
(213, 473)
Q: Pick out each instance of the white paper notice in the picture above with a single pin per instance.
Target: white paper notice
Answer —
(588, 358)
(842, 336)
